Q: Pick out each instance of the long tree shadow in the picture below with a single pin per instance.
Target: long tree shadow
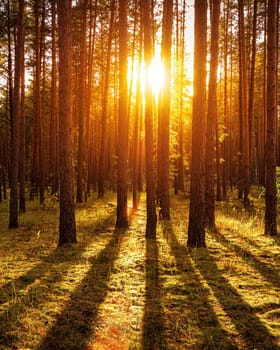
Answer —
(74, 325)
(10, 289)
(267, 271)
(197, 304)
(249, 326)
(20, 294)
(153, 336)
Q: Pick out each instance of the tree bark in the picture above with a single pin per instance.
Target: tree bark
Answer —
(122, 143)
(271, 129)
(196, 227)
(151, 220)
(211, 127)
(82, 105)
(67, 225)
(15, 119)
(164, 112)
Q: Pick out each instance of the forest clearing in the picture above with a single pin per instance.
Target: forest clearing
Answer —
(115, 289)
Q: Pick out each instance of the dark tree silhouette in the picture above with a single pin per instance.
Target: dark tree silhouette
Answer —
(122, 147)
(149, 127)
(67, 225)
(196, 228)
(271, 129)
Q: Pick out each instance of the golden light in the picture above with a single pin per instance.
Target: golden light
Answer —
(155, 75)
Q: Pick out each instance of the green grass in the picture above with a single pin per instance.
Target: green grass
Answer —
(115, 290)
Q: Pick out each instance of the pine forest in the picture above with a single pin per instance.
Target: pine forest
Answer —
(139, 175)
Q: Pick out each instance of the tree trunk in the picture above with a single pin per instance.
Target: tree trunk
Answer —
(15, 119)
(82, 105)
(151, 220)
(67, 225)
(164, 112)
(53, 168)
(104, 116)
(211, 127)
(122, 141)
(252, 138)
(244, 168)
(271, 130)
(196, 228)
(22, 132)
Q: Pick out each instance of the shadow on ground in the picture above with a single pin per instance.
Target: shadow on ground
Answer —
(24, 292)
(153, 327)
(198, 314)
(252, 330)
(73, 326)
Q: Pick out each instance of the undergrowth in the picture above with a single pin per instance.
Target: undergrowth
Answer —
(116, 290)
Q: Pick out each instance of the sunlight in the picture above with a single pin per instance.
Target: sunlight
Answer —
(155, 75)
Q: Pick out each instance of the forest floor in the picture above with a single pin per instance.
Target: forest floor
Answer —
(116, 290)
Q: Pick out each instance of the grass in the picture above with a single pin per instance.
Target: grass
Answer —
(116, 290)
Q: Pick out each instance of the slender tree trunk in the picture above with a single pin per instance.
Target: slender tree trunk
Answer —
(104, 116)
(263, 118)
(211, 127)
(89, 106)
(82, 105)
(225, 145)
(252, 138)
(271, 130)
(164, 112)
(196, 228)
(149, 126)
(136, 144)
(54, 107)
(22, 131)
(244, 170)
(41, 106)
(67, 225)
(122, 143)
(15, 119)
(179, 179)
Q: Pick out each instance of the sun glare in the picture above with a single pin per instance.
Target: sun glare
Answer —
(155, 76)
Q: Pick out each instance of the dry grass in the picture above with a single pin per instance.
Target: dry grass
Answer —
(115, 290)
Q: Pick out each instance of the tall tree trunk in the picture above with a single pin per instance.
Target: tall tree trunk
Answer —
(22, 131)
(211, 127)
(196, 228)
(122, 141)
(271, 130)
(151, 220)
(252, 138)
(82, 105)
(136, 142)
(104, 116)
(15, 118)
(244, 170)
(164, 112)
(89, 137)
(37, 112)
(262, 120)
(41, 107)
(67, 225)
(54, 106)
(179, 178)
(225, 167)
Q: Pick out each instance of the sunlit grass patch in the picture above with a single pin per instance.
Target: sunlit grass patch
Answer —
(116, 290)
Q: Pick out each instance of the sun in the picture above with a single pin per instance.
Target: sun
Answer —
(156, 75)
(155, 72)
